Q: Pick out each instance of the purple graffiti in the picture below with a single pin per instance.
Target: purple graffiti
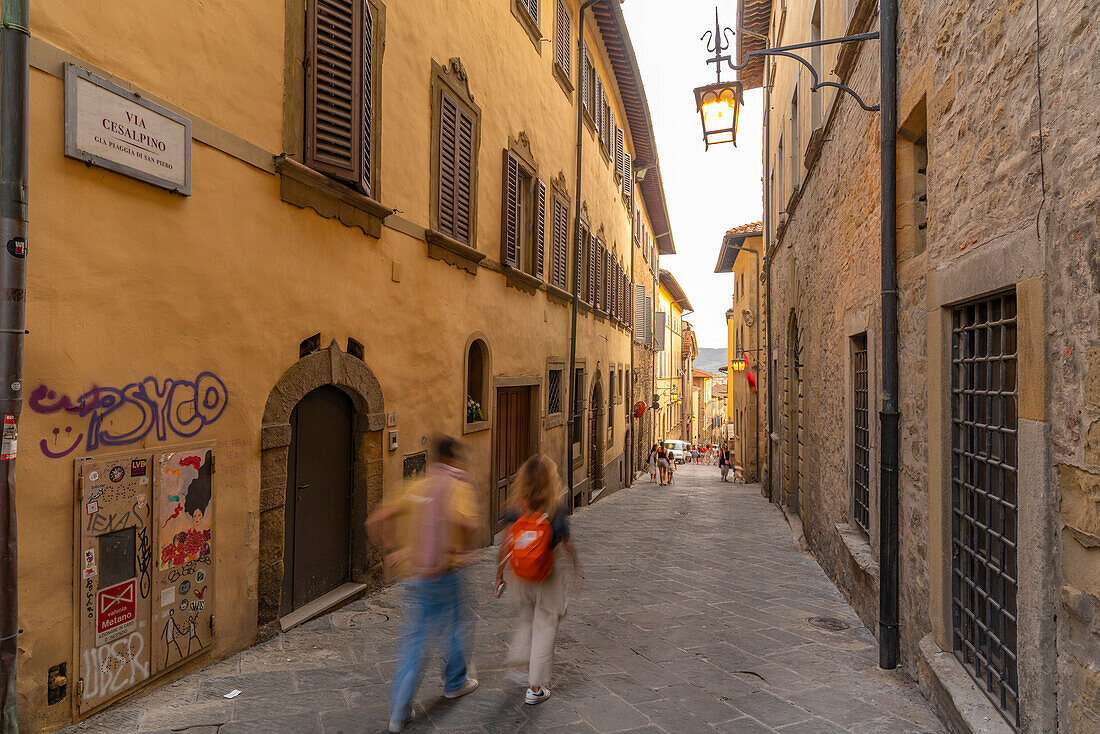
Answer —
(120, 417)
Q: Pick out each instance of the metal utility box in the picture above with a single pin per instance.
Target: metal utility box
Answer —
(145, 559)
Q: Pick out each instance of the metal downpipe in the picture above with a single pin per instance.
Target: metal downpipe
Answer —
(14, 77)
(576, 256)
(889, 629)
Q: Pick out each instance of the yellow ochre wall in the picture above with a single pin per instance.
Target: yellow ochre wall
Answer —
(126, 280)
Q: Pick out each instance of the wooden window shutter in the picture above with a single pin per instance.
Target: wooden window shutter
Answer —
(456, 170)
(582, 266)
(619, 152)
(540, 230)
(334, 88)
(628, 177)
(562, 39)
(533, 8)
(561, 239)
(607, 282)
(601, 277)
(464, 198)
(585, 81)
(448, 165)
(639, 312)
(368, 97)
(509, 225)
(592, 284)
(597, 114)
(615, 291)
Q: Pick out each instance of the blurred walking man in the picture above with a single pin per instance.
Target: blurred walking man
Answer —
(439, 520)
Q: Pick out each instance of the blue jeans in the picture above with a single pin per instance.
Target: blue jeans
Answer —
(433, 608)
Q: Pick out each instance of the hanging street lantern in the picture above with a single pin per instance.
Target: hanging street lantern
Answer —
(718, 105)
(738, 365)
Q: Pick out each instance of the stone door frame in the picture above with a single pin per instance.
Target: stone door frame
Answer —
(330, 366)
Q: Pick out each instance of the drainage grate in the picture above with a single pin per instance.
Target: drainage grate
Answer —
(829, 624)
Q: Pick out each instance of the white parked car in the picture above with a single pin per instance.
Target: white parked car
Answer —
(677, 450)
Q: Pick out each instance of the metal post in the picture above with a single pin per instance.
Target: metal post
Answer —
(14, 74)
(889, 417)
(576, 255)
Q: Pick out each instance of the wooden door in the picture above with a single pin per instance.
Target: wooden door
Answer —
(318, 497)
(514, 443)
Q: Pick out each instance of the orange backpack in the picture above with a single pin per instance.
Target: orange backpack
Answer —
(531, 549)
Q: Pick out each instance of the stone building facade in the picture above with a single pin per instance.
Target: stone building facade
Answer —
(376, 240)
(672, 393)
(741, 254)
(997, 190)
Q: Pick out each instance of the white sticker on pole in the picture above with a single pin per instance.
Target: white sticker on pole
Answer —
(10, 442)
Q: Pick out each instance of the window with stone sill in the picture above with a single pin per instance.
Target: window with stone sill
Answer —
(527, 13)
(524, 212)
(332, 110)
(554, 391)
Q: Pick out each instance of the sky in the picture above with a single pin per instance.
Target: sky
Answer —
(707, 191)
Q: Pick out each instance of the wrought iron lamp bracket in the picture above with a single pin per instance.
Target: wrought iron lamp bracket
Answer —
(720, 39)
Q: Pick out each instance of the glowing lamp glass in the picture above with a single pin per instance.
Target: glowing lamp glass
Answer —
(718, 106)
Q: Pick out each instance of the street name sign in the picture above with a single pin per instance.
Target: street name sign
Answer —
(109, 126)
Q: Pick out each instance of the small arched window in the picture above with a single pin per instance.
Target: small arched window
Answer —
(477, 382)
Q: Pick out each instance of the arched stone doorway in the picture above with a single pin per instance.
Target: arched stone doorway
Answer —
(329, 367)
(597, 435)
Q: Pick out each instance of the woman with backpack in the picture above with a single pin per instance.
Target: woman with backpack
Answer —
(531, 561)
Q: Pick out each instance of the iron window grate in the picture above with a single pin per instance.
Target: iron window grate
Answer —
(553, 392)
(984, 495)
(861, 421)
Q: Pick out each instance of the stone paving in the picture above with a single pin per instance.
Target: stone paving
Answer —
(695, 617)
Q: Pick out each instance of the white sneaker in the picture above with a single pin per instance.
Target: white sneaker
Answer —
(399, 724)
(532, 698)
(468, 687)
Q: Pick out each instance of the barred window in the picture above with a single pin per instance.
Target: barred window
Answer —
(861, 428)
(553, 392)
(984, 539)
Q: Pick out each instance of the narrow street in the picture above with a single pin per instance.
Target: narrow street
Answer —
(699, 614)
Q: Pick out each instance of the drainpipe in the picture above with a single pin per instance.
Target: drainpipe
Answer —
(769, 229)
(889, 630)
(14, 74)
(576, 254)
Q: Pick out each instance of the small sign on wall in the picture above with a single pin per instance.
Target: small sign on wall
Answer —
(109, 126)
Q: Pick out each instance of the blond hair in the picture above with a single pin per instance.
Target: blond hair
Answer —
(538, 485)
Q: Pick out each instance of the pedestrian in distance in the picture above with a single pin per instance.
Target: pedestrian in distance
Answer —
(653, 462)
(724, 462)
(440, 518)
(529, 563)
(662, 464)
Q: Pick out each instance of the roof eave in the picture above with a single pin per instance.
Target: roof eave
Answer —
(612, 25)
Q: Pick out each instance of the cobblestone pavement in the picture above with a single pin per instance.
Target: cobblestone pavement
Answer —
(694, 618)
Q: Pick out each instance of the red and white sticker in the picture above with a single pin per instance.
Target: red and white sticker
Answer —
(116, 608)
(10, 444)
(92, 507)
